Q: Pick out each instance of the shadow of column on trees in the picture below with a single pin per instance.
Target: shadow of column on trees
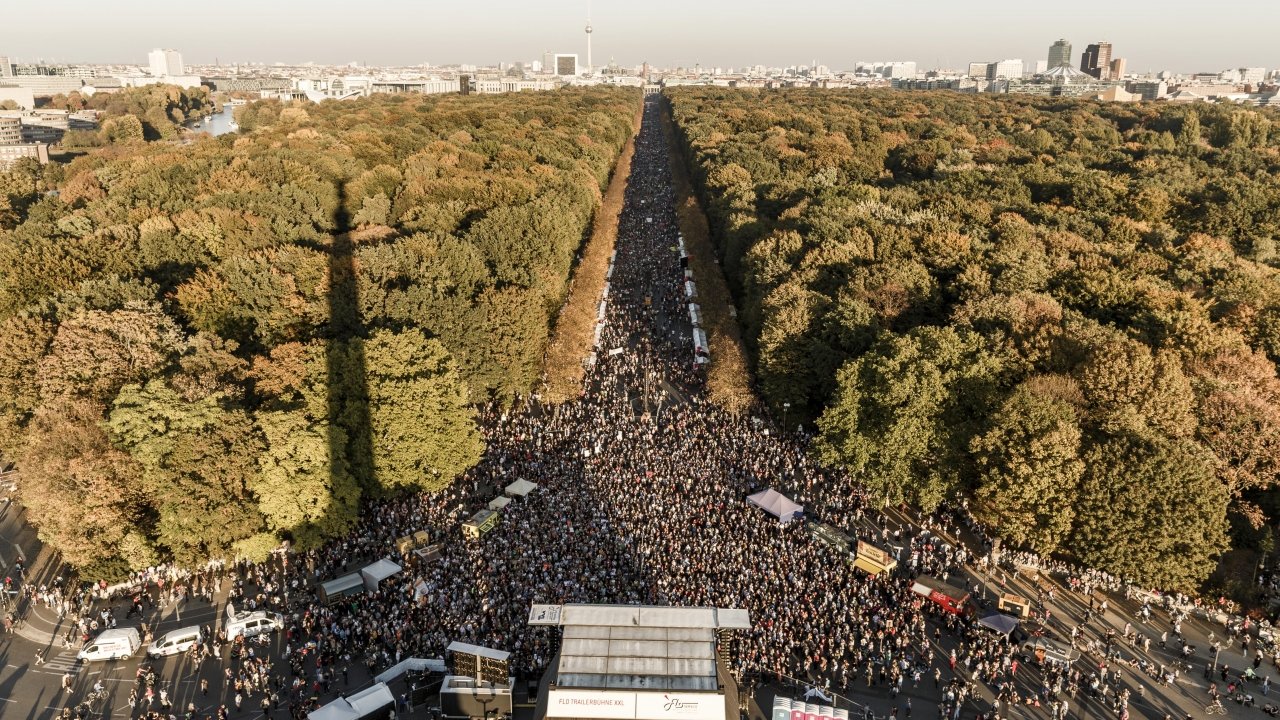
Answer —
(347, 379)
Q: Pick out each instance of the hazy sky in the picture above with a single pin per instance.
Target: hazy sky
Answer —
(1179, 35)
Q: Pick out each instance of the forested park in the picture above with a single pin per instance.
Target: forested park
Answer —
(1063, 314)
(208, 347)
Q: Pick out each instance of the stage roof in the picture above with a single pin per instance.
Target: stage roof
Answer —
(638, 647)
(641, 616)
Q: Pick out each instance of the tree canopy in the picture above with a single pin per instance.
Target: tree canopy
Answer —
(1062, 312)
(212, 346)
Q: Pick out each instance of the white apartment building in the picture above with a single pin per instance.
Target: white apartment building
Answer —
(1005, 70)
(165, 63)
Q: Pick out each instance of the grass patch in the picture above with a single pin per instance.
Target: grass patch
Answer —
(574, 333)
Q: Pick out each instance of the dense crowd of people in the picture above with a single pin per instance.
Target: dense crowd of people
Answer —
(640, 499)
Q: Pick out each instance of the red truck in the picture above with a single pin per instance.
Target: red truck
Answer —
(949, 597)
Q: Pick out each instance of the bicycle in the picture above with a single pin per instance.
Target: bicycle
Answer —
(1216, 708)
(95, 700)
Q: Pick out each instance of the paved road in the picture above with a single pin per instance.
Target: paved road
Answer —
(29, 690)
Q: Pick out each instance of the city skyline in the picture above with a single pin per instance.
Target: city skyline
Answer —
(1151, 35)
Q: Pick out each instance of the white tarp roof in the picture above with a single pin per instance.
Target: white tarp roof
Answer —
(342, 584)
(521, 488)
(484, 652)
(379, 571)
(776, 504)
(366, 702)
(339, 709)
(435, 665)
(499, 502)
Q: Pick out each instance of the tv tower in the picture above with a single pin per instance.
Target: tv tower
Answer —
(589, 38)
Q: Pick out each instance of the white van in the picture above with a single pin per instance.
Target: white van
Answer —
(115, 644)
(175, 641)
(254, 623)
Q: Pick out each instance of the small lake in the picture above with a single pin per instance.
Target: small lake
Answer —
(219, 123)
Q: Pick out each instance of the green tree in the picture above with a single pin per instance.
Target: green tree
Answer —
(423, 433)
(1152, 511)
(198, 460)
(1029, 468)
(905, 414)
(304, 486)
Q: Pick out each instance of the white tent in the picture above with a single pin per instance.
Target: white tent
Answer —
(338, 587)
(339, 709)
(499, 502)
(367, 702)
(377, 572)
(776, 504)
(521, 488)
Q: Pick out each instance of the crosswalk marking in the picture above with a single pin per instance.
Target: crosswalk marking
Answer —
(64, 662)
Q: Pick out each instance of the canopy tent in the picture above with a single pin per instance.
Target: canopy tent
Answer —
(521, 488)
(346, 585)
(499, 502)
(339, 709)
(776, 504)
(999, 622)
(377, 572)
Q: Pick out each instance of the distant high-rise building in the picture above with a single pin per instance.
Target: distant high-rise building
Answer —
(6, 68)
(10, 130)
(1096, 60)
(1005, 70)
(566, 65)
(166, 63)
(978, 70)
(1117, 69)
(1253, 75)
(1059, 54)
(899, 69)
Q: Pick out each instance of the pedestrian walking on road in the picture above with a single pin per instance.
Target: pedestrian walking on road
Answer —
(40, 656)
(204, 687)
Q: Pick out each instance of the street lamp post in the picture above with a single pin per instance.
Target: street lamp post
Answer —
(786, 406)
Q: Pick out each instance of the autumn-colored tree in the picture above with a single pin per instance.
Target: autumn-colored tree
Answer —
(80, 492)
(95, 353)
